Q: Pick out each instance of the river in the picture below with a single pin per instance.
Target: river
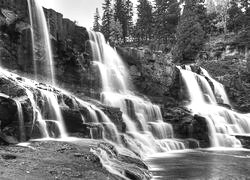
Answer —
(201, 164)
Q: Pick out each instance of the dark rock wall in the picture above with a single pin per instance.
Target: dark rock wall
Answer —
(154, 75)
(73, 68)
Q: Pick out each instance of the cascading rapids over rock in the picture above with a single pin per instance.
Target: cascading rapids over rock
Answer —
(143, 120)
(206, 95)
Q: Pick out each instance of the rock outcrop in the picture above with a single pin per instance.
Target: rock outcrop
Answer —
(32, 97)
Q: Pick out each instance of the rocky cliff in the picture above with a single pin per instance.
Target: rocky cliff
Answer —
(69, 42)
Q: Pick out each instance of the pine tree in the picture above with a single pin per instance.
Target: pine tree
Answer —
(106, 19)
(144, 21)
(166, 17)
(129, 17)
(116, 34)
(190, 35)
(97, 25)
(120, 15)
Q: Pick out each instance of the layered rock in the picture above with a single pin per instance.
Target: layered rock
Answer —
(15, 90)
(69, 42)
(154, 75)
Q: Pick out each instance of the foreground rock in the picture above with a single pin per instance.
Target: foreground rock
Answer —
(62, 160)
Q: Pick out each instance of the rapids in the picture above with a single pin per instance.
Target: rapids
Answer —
(205, 100)
(143, 120)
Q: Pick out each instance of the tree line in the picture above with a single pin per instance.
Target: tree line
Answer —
(178, 26)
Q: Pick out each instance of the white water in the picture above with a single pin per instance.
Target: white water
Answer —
(21, 121)
(100, 118)
(223, 123)
(143, 119)
(218, 88)
(55, 111)
(42, 52)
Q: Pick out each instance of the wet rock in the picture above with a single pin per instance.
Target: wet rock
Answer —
(132, 175)
(200, 131)
(8, 156)
(245, 141)
(192, 143)
(53, 129)
(72, 119)
(115, 115)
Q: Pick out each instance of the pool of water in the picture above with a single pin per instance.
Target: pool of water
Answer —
(216, 164)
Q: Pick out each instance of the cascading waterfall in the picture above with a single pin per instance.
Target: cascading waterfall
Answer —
(99, 117)
(47, 114)
(222, 123)
(50, 107)
(20, 120)
(143, 120)
(42, 51)
(55, 112)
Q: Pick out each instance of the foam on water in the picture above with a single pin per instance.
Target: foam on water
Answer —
(223, 123)
(143, 120)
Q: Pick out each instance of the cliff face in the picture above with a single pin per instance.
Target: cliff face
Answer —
(69, 43)
(151, 73)
(230, 66)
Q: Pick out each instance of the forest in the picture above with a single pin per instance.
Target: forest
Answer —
(179, 27)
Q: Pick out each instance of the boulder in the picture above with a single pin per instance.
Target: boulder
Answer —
(245, 141)
(200, 131)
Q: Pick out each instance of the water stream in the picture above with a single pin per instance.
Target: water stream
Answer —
(222, 122)
(42, 51)
(144, 130)
(143, 120)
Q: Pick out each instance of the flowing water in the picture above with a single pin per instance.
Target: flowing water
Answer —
(223, 123)
(201, 164)
(21, 121)
(144, 128)
(42, 51)
(143, 120)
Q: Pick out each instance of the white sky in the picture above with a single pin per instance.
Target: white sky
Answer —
(81, 11)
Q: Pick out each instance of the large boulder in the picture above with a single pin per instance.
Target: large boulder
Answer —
(15, 109)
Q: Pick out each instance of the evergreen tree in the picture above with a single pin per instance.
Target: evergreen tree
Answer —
(123, 12)
(97, 25)
(144, 22)
(129, 17)
(116, 34)
(106, 19)
(190, 34)
(166, 17)
(120, 15)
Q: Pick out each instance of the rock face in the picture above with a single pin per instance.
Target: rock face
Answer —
(70, 48)
(154, 75)
(233, 74)
(22, 102)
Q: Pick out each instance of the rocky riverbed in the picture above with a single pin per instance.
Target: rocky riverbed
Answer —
(68, 160)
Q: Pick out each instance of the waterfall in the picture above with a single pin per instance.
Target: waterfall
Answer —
(20, 121)
(42, 51)
(97, 116)
(143, 120)
(223, 123)
(55, 112)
